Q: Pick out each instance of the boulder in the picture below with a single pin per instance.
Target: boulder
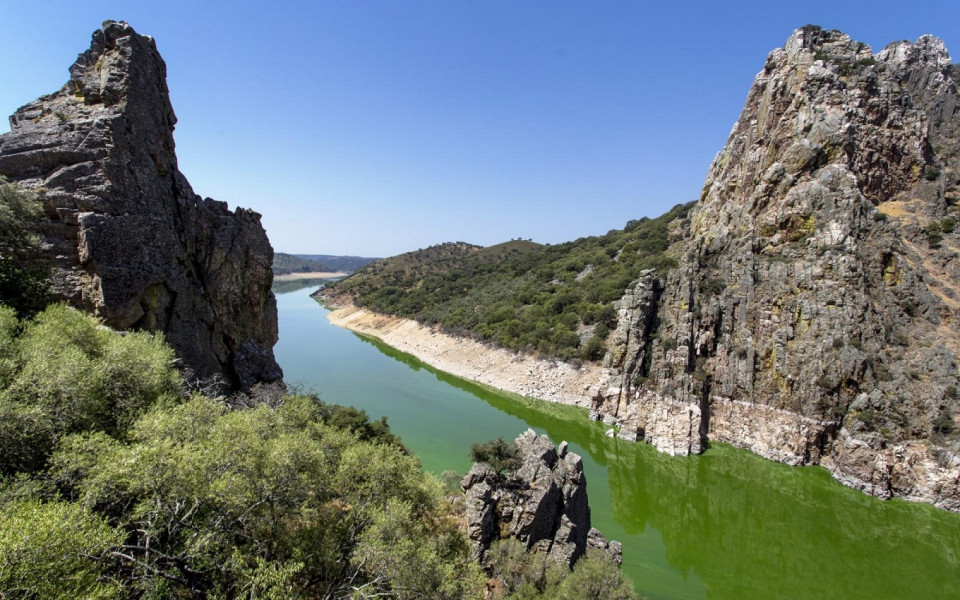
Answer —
(543, 503)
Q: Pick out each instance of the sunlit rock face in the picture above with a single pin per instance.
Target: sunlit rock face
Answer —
(813, 317)
(543, 503)
(130, 240)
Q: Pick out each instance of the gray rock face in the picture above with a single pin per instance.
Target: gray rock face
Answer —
(131, 241)
(813, 316)
(543, 503)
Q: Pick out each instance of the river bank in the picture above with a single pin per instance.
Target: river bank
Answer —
(311, 275)
(723, 525)
(545, 379)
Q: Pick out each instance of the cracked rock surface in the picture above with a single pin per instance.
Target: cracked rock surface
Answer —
(813, 315)
(129, 239)
(543, 503)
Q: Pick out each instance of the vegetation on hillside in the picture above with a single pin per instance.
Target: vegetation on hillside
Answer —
(284, 264)
(113, 484)
(346, 264)
(555, 299)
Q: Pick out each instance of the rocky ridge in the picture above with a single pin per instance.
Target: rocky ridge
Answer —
(130, 240)
(543, 503)
(813, 316)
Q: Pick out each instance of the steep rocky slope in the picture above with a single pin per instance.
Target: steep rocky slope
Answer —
(813, 315)
(129, 238)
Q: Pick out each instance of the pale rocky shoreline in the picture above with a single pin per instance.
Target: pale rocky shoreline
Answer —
(309, 275)
(544, 379)
(902, 470)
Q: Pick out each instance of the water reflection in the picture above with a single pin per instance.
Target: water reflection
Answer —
(742, 526)
(293, 285)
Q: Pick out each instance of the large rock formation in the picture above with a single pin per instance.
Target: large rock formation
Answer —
(130, 239)
(543, 503)
(813, 317)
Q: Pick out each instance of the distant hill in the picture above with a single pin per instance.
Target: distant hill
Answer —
(346, 264)
(518, 294)
(284, 264)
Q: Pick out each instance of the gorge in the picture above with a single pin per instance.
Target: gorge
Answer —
(723, 524)
(804, 308)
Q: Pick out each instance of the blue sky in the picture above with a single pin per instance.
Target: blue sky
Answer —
(378, 127)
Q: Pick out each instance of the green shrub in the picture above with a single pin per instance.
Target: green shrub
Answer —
(23, 278)
(55, 550)
(538, 576)
(944, 423)
(499, 454)
(595, 577)
(65, 374)
(357, 421)
(934, 233)
(211, 499)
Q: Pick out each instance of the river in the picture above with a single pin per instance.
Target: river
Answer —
(725, 524)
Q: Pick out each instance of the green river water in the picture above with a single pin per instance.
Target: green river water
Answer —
(726, 524)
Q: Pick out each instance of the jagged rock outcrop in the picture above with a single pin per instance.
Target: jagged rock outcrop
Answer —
(813, 317)
(129, 238)
(543, 503)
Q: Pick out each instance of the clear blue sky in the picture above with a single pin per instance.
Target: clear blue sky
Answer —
(378, 127)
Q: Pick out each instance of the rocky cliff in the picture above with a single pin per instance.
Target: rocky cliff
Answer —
(813, 315)
(543, 503)
(130, 239)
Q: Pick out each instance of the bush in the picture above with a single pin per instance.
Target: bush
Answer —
(595, 577)
(213, 499)
(934, 233)
(55, 550)
(357, 421)
(65, 374)
(23, 278)
(499, 454)
(537, 576)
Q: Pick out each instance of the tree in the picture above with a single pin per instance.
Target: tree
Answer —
(23, 277)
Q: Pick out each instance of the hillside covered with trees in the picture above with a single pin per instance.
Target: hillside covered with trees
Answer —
(284, 264)
(555, 299)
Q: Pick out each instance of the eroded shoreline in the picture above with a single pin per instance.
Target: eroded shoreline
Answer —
(309, 275)
(543, 379)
